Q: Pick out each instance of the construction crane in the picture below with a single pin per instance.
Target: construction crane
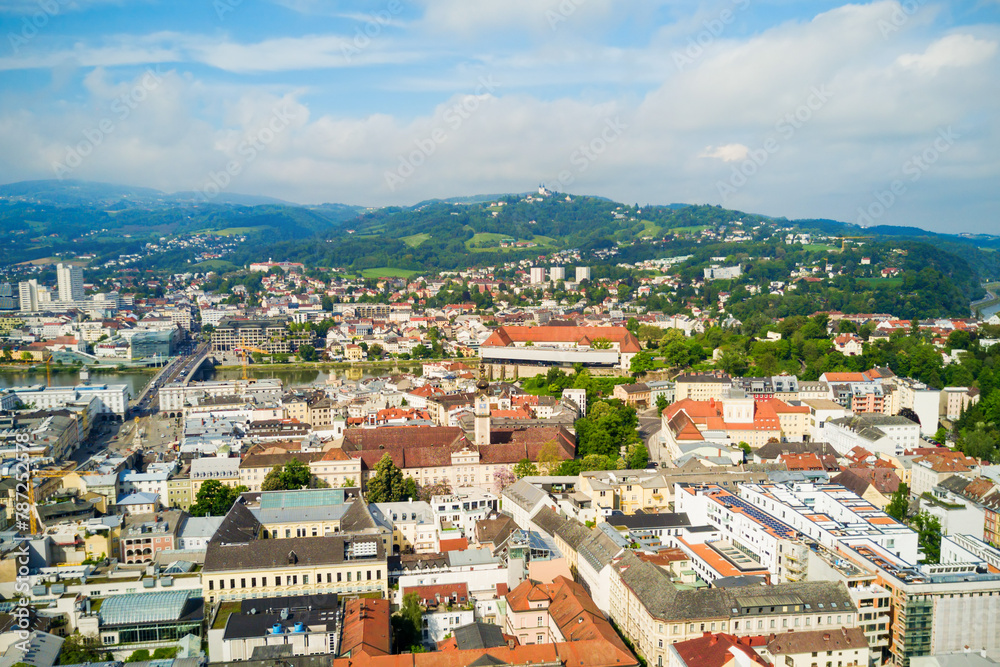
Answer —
(245, 357)
(844, 239)
(32, 474)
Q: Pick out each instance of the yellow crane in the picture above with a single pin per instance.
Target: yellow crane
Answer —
(32, 474)
(844, 239)
(245, 356)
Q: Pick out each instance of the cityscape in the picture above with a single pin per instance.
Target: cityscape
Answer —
(479, 334)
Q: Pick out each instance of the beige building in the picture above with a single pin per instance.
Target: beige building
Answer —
(653, 613)
(222, 469)
(336, 468)
(846, 647)
(314, 409)
(702, 386)
(241, 564)
(254, 467)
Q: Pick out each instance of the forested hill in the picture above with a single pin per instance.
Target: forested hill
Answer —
(940, 273)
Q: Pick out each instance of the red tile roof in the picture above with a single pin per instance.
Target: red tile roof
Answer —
(433, 595)
(457, 544)
(715, 651)
(507, 336)
(366, 628)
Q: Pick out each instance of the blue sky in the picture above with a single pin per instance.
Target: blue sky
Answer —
(883, 112)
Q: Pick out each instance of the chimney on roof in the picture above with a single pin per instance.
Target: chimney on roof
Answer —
(826, 636)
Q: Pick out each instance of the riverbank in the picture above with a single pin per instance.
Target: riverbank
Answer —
(327, 365)
(75, 370)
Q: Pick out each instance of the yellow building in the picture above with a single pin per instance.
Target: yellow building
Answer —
(254, 568)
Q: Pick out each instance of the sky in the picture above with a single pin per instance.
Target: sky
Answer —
(878, 113)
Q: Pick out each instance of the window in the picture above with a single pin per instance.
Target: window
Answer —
(295, 580)
(349, 576)
(232, 583)
(540, 639)
(243, 583)
(253, 582)
(305, 579)
(263, 581)
(338, 577)
(659, 643)
(211, 585)
(539, 624)
(368, 575)
(772, 623)
(277, 580)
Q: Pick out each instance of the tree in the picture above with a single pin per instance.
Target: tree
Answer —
(928, 528)
(641, 364)
(386, 485)
(941, 434)
(978, 443)
(215, 498)
(376, 351)
(548, 458)
(295, 475)
(638, 457)
(410, 490)
(909, 414)
(661, 404)
(307, 353)
(425, 493)
(600, 344)
(77, 649)
(525, 468)
(899, 505)
(502, 478)
(141, 655)
(407, 623)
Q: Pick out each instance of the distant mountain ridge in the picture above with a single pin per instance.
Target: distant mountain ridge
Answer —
(70, 192)
(46, 218)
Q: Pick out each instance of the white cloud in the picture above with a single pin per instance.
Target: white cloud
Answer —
(951, 51)
(727, 153)
(697, 124)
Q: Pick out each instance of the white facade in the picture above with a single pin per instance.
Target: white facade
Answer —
(154, 483)
(557, 273)
(829, 513)
(464, 508)
(879, 434)
(175, 397)
(481, 583)
(923, 400)
(113, 398)
(537, 275)
(70, 282)
(743, 530)
(582, 273)
(437, 624)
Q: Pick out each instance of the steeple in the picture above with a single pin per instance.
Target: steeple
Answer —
(482, 407)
